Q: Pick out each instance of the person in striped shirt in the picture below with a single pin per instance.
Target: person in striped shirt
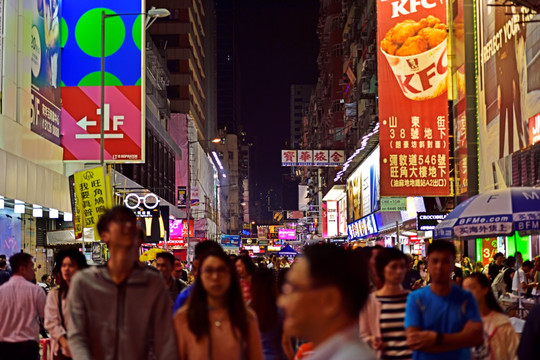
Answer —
(382, 320)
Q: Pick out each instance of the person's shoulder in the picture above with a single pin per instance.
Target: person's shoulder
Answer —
(180, 316)
(420, 293)
(251, 315)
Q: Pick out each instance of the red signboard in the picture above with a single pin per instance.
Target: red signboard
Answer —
(413, 101)
(534, 129)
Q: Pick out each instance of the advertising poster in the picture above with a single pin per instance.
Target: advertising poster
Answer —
(508, 88)
(93, 196)
(45, 65)
(363, 193)
(10, 232)
(413, 100)
(124, 108)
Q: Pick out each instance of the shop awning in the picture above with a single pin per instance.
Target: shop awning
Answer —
(67, 237)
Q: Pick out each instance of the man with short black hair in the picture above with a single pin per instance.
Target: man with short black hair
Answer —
(8, 267)
(22, 303)
(120, 310)
(4, 273)
(165, 263)
(322, 298)
(442, 321)
(496, 266)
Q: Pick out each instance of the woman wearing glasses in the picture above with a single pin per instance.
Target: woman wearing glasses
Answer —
(215, 323)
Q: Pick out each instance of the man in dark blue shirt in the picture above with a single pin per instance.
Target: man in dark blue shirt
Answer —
(442, 321)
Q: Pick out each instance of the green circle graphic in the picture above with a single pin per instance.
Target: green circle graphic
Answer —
(94, 79)
(88, 32)
(136, 31)
(64, 33)
(138, 83)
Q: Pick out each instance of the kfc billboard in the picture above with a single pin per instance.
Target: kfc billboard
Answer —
(413, 101)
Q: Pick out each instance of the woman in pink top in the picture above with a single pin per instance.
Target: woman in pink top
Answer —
(215, 323)
(67, 263)
(500, 339)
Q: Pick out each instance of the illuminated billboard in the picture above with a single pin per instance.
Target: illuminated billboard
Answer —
(124, 110)
(363, 188)
(413, 100)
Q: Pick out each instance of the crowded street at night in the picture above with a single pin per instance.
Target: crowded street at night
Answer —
(269, 180)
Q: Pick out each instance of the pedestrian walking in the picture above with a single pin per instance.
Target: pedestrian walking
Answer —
(536, 280)
(165, 265)
(120, 310)
(216, 323)
(413, 279)
(67, 263)
(495, 267)
(466, 267)
(22, 304)
(245, 268)
(264, 303)
(442, 321)
(500, 339)
(382, 319)
(322, 298)
(201, 249)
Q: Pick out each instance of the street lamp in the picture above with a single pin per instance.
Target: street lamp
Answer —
(154, 14)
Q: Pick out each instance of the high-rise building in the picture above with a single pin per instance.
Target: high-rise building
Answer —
(188, 36)
(300, 95)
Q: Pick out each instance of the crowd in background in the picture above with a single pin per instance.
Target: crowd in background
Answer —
(330, 303)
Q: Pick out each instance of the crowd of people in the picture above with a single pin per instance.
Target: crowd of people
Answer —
(332, 303)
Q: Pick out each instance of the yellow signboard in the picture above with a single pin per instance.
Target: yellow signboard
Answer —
(93, 197)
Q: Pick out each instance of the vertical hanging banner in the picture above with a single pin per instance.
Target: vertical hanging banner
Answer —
(124, 109)
(413, 100)
(93, 196)
(45, 65)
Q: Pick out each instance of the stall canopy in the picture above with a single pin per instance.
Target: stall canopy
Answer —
(287, 251)
(67, 237)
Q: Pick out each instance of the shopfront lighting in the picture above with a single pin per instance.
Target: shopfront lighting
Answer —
(217, 160)
(53, 214)
(19, 207)
(37, 211)
(224, 175)
(1, 202)
(68, 216)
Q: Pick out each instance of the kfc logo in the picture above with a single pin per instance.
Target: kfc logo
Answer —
(413, 64)
(406, 7)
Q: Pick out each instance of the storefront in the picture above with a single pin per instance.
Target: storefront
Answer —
(335, 213)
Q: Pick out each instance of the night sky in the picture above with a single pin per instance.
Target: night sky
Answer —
(277, 46)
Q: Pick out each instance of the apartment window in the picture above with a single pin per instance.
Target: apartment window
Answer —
(173, 92)
(170, 41)
(337, 106)
(173, 66)
(337, 50)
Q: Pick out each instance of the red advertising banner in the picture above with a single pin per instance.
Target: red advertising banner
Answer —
(413, 101)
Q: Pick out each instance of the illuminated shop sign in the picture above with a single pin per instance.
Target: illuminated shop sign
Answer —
(287, 234)
(428, 221)
(363, 227)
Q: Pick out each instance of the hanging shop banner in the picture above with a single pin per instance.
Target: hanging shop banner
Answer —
(45, 64)
(181, 199)
(287, 234)
(363, 227)
(262, 232)
(312, 157)
(508, 88)
(413, 101)
(428, 221)
(93, 196)
(363, 188)
(124, 109)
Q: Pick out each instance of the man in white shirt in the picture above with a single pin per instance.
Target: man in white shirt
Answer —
(21, 304)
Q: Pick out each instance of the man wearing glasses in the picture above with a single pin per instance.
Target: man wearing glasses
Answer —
(322, 298)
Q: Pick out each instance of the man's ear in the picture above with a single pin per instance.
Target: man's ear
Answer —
(331, 301)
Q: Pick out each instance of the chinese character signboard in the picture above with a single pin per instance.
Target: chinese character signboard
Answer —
(93, 196)
(305, 158)
(45, 64)
(363, 227)
(320, 157)
(413, 101)
(181, 198)
(287, 234)
(262, 232)
(124, 108)
(288, 158)
(312, 157)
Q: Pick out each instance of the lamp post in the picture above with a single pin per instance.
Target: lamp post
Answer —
(154, 14)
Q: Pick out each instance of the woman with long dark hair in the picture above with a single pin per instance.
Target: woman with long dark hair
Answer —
(501, 341)
(382, 321)
(67, 263)
(215, 323)
(264, 303)
(245, 268)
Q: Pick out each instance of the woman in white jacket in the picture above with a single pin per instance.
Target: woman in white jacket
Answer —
(67, 263)
(500, 339)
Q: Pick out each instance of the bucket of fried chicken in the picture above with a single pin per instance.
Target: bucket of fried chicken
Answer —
(416, 52)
